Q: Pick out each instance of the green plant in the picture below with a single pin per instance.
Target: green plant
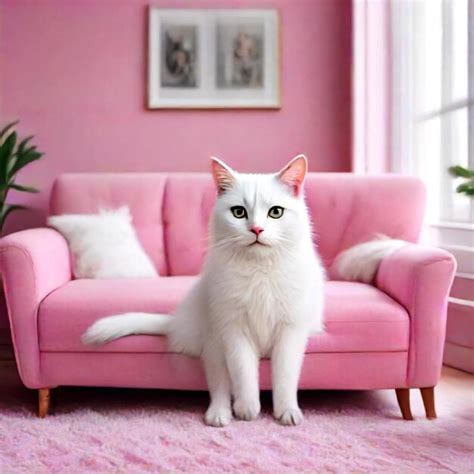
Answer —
(14, 156)
(468, 186)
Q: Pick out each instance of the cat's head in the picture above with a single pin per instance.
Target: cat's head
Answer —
(259, 213)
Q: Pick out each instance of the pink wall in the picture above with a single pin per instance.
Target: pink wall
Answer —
(74, 73)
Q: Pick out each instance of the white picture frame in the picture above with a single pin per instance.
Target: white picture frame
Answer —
(200, 58)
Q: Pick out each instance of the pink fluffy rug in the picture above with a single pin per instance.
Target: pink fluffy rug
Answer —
(113, 430)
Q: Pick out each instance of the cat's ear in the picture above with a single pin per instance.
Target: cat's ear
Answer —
(294, 173)
(224, 176)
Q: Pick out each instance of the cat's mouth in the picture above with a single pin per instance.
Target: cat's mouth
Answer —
(257, 242)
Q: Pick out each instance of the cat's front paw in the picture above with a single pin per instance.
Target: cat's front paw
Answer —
(289, 416)
(218, 416)
(245, 409)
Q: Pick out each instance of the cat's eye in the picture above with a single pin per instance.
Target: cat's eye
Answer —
(239, 212)
(275, 212)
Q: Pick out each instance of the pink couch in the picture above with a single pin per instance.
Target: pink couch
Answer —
(386, 335)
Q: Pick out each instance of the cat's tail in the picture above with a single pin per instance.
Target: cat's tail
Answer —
(361, 262)
(112, 327)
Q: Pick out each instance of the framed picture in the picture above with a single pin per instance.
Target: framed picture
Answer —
(213, 59)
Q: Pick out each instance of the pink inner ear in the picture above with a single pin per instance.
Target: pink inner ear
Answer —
(293, 175)
(223, 178)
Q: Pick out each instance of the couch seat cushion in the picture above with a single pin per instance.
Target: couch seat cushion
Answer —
(359, 317)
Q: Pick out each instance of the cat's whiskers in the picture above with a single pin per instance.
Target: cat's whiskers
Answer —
(225, 242)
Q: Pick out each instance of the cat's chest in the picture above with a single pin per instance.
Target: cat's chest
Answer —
(256, 301)
(260, 299)
(259, 292)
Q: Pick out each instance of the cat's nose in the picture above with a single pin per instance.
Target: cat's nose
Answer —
(256, 230)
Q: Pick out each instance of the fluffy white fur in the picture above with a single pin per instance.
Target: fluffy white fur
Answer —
(361, 262)
(258, 296)
(104, 245)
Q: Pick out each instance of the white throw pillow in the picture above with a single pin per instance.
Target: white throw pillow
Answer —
(104, 245)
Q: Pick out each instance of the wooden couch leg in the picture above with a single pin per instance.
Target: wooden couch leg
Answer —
(427, 394)
(44, 402)
(403, 398)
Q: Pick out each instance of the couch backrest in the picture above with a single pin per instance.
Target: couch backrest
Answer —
(348, 209)
(171, 211)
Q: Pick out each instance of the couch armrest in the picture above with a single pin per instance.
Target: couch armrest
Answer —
(420, 278)
(33, 263)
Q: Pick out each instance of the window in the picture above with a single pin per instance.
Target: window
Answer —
(433, 100)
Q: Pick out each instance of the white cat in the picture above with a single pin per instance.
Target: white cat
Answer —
(260, 294)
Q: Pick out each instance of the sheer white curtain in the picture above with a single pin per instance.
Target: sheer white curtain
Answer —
(432, 100)
(371, 86)
(413, 90)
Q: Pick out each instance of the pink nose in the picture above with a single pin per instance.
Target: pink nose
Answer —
(256, 230)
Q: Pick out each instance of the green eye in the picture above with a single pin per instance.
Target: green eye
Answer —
(238, 212)
(275, 212)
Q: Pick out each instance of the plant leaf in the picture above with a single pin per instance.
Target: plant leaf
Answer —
(31, 148)
(6, 151)
(466, 188)
(7, 127)
(20, 151)
(461, 172)
(23, 143)
(22, 160)
(26, 189)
